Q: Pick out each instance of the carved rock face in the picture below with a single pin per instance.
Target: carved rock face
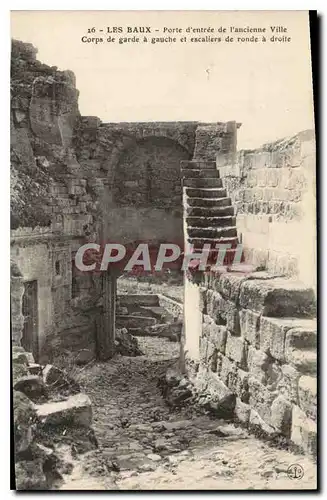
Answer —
(53, 110)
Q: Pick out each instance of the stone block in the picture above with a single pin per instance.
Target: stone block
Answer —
(203, 299)
(281, 416)
(261, 398)
(214, 304)
(258, 364)
(223, 311)
(242, 385)
(307, 396)
(304, 431)
(235, 349)
(273, 333)
(232, 318)
(257, 423)
(229, 285)
(242, 411)
(288, 383)
(228, 370)
(203, 349)
(208, 353)
(278, 297)
(217, 334)
(249, 326)
(302, 336)
(75, 411)
(273, 177)
(220, 399)
(305, 361)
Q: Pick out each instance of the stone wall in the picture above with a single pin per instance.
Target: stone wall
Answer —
(250, 350)
(53, 209)
(139, 165)
(212, 138)
(76, 180)
(274, 196)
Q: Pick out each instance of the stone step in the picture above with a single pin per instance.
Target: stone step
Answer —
(304, 360)
(209, 211)
(211, 232)
(213, 255)
(279, 335)
(138, 299)
(278, 298)
(129, 321)
(205, 192)
(211, 221)
(192, 173)
(159, 313)
(209, 202)
(171, 331)
(209, 182)
(302, 336)
(199, 242)
(198, 164)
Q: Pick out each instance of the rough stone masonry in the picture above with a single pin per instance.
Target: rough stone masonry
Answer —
(75, 180)
(249, 335)
(250, 332)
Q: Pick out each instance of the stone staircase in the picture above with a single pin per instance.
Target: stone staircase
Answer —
(142, 315)
(259, 338)
(208, 211)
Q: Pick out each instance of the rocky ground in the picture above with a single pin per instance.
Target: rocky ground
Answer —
(143, 444)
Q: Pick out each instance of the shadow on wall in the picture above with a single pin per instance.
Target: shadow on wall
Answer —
(147, 192)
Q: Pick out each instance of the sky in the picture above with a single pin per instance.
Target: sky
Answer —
(265, 86)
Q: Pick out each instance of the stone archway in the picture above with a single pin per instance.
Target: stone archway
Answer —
(146, 193)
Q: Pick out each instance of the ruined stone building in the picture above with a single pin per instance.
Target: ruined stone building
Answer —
(249, 339)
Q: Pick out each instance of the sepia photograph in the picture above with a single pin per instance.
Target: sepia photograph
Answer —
(163, 250)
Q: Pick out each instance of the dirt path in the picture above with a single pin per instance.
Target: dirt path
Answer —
(144, 445)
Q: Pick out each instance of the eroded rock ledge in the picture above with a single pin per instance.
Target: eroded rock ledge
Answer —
(52, 423)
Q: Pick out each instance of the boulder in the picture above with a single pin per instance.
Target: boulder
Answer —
(32, 386)
(18, 371)
(35, 369)
(75, 411)
(20, 358)
(126, 344)
(171, 331)
(58, 381)
(24, 419)
(84, 357)
(29, 475)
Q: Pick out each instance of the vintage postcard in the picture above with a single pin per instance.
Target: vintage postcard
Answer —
(163, 251)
